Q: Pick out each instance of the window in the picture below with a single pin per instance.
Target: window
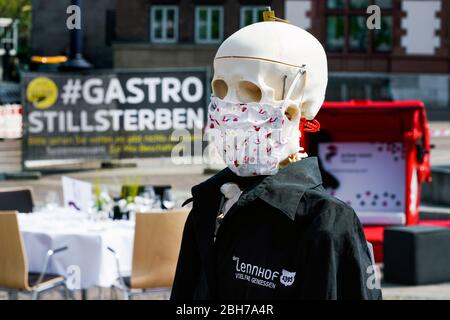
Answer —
(346, 29)
(250, 15)
(208, 24)
(335, 33)
(164, 24)
(335, 4)
(357, 38)
(359, 4)
(382, 38)
(384, 4)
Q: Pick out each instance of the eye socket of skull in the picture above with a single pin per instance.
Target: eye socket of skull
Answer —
(291, 112)
(220, 88)
(248, 92)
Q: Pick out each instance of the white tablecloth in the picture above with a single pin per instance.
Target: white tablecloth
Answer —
(87, 242)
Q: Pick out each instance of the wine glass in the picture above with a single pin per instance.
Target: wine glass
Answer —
(168, 200)
(52, 201)
(148, 198)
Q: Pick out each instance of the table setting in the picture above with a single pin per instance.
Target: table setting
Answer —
(90, 222)
(87, 257)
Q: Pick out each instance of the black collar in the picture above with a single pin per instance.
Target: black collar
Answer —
(282, 190)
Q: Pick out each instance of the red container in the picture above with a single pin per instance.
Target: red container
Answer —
(379, 153)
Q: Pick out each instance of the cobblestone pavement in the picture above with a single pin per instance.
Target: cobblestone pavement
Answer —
(92, 294)
(429, 292)
(390, 292)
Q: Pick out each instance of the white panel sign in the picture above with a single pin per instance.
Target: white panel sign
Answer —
(297, 13)
(371, 175)
(77, 194)
(422, 25)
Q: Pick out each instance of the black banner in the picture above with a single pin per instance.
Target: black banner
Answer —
(114, 115)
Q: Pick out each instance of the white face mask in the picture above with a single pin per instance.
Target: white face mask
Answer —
(252, 138)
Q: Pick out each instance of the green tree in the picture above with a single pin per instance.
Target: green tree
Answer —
(18, 10)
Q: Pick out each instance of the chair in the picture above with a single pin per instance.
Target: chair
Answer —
(20, 199)
(157, 242)
(14, 275)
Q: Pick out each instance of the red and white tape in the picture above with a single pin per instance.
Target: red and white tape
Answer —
(10, 109)
(437, 133)
(10, 121)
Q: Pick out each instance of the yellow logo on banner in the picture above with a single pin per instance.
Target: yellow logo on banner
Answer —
(42, 92)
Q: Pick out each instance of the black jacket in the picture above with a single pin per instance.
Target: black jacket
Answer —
(285, 238)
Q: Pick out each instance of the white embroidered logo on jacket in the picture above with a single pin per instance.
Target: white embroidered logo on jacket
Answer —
(287, 278)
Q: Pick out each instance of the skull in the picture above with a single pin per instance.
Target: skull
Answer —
(259, 63)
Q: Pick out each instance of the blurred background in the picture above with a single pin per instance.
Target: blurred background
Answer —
(405, 57)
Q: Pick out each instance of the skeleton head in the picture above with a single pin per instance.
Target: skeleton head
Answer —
(258, 63)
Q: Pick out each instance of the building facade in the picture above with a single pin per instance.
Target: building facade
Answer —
(414, 34)
(406, 57)
(180, 33)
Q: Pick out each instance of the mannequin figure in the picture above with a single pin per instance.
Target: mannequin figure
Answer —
(264, 227)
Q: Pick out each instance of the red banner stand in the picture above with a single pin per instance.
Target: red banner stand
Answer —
(388, 122)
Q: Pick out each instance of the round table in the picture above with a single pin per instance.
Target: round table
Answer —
(87, 262)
